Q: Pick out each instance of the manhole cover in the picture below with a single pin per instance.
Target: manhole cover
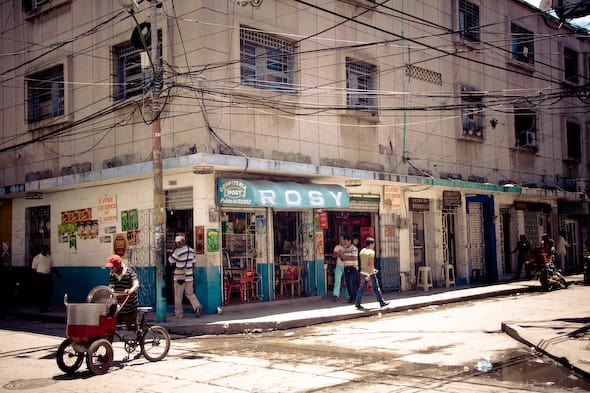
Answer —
(23, 384)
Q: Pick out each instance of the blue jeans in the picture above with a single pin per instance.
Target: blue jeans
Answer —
(338, 273)
(374, 285)
(350, 273)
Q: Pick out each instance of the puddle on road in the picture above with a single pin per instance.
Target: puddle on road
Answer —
(536, 370)
(520, 369)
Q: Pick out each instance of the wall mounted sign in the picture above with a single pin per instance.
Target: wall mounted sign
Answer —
(236, 192)
(451, 199)
(419, 204)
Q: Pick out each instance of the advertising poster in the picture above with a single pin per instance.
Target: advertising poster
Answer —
(212, 239)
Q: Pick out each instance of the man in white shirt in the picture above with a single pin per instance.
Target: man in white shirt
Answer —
(338, 269)
(561, 250)
(42, 266)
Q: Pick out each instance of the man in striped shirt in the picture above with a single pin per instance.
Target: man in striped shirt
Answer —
(123, 279)
(182, 258)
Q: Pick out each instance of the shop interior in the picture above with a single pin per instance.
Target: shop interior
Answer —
(243, 233)
(356, 224)
(244, 237)
(289, 254)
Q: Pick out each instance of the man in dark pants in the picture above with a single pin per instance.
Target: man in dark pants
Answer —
(524, 250)
(349, 254)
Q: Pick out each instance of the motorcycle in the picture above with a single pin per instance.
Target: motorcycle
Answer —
(542, 265)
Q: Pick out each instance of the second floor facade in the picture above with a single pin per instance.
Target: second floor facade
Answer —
(460, 89)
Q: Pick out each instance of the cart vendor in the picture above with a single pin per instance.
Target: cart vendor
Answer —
(123, 279)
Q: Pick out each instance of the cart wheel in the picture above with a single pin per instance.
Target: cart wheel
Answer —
(100, 356)
(155, 343)
(68, 359)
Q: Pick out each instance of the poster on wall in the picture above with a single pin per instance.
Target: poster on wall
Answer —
(132, 220)
(261, 224)
(64, 231)
(124, 224)
(72, 242)
(199, 239)
(87, 230)
(212, 239)
(76, 215)
(319, 245)
(107, 209)
(120, 245)
(323, 220)
(133, 238)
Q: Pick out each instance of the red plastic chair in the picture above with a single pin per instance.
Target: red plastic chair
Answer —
(248, 281)
(291, 278)
(232, 285)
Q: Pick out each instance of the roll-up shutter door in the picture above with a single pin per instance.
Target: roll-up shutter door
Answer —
(179, 198)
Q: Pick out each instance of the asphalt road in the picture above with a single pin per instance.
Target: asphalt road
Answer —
(430, 349)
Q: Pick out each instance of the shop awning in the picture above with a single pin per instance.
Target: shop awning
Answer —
(237, 192)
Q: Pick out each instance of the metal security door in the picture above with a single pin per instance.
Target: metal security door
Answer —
(448, 233)
(573, 252)
(389, 253)
(476, 239)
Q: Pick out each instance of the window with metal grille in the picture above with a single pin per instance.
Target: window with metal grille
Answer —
(33, 5)
(523, 44)
(472, 114)
(129, 78)
(266, 61)
(525, 129)
(574, 141)
(45, 93)
(570, 63)
(468, 20)
(360, 86)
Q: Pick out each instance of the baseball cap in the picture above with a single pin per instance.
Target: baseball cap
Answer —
(114, 260)
(179, 239)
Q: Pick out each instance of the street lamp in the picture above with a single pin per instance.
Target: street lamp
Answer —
(158, 208)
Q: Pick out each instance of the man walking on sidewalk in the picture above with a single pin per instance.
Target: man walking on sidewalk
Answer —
(368, 272)
(183, 258)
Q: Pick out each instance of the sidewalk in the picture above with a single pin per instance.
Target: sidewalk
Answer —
(567, 343)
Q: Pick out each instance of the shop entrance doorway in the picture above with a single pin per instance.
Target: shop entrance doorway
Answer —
(358, 225)
(573, 252)
(37, 234)
(290, 254)
(419, 243)
(178, 222)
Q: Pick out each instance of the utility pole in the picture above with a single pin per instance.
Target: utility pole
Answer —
(159, 208)
(158, 223)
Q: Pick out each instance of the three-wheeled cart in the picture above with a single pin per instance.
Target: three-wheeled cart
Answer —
(92, 326)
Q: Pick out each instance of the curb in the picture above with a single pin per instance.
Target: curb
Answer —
(244, 326)
(542, 346)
